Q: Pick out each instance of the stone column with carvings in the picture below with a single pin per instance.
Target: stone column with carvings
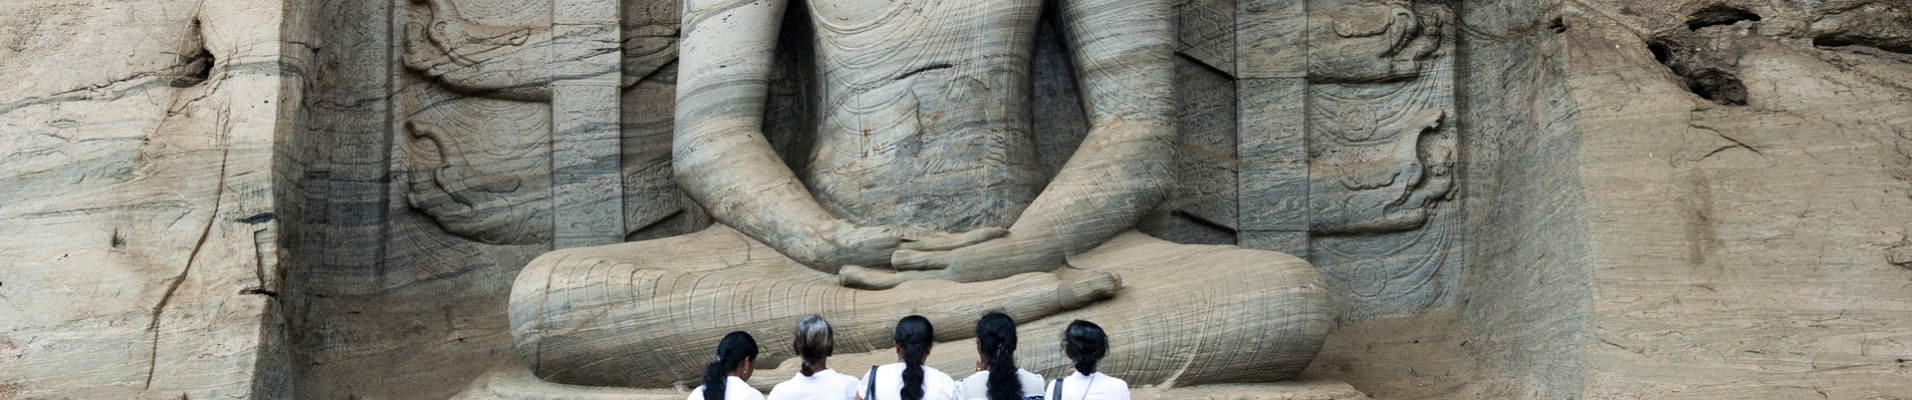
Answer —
(1271, 66)
(587, 186)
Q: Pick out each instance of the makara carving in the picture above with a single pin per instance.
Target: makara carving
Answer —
(1382, 147)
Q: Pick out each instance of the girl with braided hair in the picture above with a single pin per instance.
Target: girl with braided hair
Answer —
(909, 379)
(1086, 344)
(997, 377)
(724, 377)
(814, 344)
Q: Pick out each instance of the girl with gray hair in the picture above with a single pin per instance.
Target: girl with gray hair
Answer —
(814, 344)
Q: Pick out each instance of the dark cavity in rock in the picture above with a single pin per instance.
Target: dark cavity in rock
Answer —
(1719, 15)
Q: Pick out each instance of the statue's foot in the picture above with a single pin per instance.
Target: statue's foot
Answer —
(1080, 287)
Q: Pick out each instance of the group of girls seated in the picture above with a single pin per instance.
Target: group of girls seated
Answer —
(997, 377)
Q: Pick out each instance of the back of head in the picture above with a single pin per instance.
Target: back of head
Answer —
(815, 341)
(731, 353)
(1086, 344)
(913, 338)
(996, 342)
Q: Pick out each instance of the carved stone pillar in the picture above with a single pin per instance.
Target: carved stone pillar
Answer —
(1271, 67)
(587, 185)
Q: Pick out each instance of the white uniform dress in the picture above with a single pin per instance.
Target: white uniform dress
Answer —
(889, 384)
(734, 389)
(1097, 386)
(976, 386)
(821, 385)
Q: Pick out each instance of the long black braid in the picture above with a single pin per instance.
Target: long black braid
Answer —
(731, 352)
(914, 336)
(996, 341)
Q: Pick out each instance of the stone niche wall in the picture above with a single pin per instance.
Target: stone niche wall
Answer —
(421, 196)
(1510, 199)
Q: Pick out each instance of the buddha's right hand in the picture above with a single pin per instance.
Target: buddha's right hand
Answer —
(873, 246)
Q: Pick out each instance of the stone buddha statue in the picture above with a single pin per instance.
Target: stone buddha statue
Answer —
(922, 194)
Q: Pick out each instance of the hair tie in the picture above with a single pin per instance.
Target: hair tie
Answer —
(999, 349)
(720, 358)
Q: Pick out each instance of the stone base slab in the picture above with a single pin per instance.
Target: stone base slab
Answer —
(514, 381)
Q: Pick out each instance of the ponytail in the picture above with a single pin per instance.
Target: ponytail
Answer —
(1086, 344)
(914, 336)
(731, 353)
(996, 340)
(815, 341)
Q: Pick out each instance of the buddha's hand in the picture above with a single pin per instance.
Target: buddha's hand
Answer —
(874, 246)
(988, 260)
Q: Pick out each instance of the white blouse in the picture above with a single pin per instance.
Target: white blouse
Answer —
(976, 386)
(1097, 386)
(822, 385)
(734, 389)
(889, 384)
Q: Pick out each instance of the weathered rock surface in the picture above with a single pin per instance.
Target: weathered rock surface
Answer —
(1689, 199)
(141, 254)
(1507, 199)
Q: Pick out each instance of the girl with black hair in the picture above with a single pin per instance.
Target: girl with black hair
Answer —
(724, 377)
(1086, 344)
(814, 344)
(997, 377)
(909, 379)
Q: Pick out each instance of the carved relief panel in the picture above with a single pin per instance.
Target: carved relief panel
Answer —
(531, 124)
(1381, 152)
(1348, 146)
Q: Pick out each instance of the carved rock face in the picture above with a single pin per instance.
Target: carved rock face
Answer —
(1381, 148)
(485, 172)
(1366, 41)
(506, 57)
(478, 153)
(1378, 158)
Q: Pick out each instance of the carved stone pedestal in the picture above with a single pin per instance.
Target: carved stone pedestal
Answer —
(513, 381)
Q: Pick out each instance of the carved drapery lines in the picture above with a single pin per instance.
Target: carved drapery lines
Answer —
(1400, 145)
(882, 126)
(1376, 276)
(492, 54)
(1376, 150)
(471, 167)
(857, 57)
(498, 61)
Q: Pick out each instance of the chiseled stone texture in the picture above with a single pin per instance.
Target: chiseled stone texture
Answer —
(1662, 199)
(139, 251)
(1745, 168)
(1684, 199)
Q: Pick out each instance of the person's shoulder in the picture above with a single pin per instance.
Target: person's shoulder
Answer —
(937, 374)
(1025, 375)
(1114, 382)
(841, 378)
(879, 369)
(788, 383)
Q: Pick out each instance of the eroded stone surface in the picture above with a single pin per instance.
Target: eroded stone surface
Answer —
(1508, 199)
(141, 239)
